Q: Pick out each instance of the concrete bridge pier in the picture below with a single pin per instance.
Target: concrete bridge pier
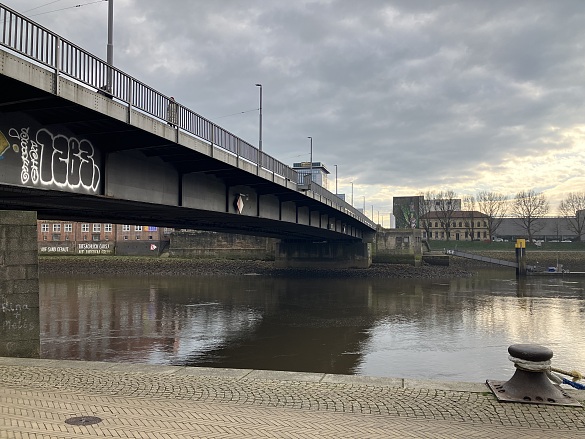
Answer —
(19, 285)
(323, 254)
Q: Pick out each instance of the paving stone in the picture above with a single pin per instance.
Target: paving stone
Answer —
(36, 396)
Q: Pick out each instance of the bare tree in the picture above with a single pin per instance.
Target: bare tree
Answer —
(425, 206)
(569, 208)
(529, 207)
(469, 207)
(493, 205)
(445, 206)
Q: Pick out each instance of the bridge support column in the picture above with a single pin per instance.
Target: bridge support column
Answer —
(19, 285)
(323, 254)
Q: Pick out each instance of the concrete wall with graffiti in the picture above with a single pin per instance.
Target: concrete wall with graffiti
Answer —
(47, 158)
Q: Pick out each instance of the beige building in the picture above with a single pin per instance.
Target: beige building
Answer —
(460, 225)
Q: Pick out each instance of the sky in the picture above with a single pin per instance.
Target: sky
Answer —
(404, 96)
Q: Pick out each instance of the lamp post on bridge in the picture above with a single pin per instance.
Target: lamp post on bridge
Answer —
(311, 158)
(335, 180)
(352, 194)
(260, 139)
(110, 47)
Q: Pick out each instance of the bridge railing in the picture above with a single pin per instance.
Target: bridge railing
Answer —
(33, 41)
(347, 208)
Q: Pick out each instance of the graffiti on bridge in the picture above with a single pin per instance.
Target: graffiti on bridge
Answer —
(51, 161)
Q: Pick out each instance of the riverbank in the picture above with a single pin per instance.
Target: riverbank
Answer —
(132, 266)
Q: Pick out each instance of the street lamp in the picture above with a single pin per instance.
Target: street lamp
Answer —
(311, 158)
(110, 47)
(335, 180)
(352, 194)
(260, 140)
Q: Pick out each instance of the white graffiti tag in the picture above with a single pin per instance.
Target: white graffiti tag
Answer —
(30, 157)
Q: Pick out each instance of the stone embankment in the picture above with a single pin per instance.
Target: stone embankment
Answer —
(132, 266)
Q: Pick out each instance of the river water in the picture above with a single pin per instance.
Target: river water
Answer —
(454, 330)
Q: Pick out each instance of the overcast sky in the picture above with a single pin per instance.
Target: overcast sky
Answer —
(403, 95)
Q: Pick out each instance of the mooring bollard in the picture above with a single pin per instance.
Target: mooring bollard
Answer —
(530, 383)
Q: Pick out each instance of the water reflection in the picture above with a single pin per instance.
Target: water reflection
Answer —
(454, 329)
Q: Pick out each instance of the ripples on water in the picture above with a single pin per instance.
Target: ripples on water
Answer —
(456, 330)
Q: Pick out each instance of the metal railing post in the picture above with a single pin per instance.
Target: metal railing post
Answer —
(129, 97)
(57, 56)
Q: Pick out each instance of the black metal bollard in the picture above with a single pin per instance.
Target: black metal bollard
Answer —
(530, 383)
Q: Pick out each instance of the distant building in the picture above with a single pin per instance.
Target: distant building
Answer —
(464, 226)
(435, 205)
(319, 170)
(407, 211)
(545, 229)
(70, 237)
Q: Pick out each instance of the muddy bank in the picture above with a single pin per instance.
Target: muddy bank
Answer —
(117, 266)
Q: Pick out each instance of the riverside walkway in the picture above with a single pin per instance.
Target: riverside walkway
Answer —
(143, 401)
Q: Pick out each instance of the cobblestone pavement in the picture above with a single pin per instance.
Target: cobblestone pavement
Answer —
(141, 401)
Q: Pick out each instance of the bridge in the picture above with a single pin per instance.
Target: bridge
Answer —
(82, 140)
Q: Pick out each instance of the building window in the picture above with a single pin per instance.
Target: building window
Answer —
(56, 227)
(44, 237)
(137, 237)
(125, 237)
(56, 237)
(85, 237)
(95, 237)
(138, 228)
(66, 237)
(85, 227)
(108, 228)
(125, 228)
(97, 227)
(44, 227)
(68, 228)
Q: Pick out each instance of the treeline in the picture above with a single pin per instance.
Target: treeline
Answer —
(526, 206)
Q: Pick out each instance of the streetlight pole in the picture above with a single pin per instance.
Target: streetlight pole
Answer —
(311, 158)
(110, 48)
(335, 180)
(352, 194)
(260, 140)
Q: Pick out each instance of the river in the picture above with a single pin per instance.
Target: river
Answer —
(453, 329)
